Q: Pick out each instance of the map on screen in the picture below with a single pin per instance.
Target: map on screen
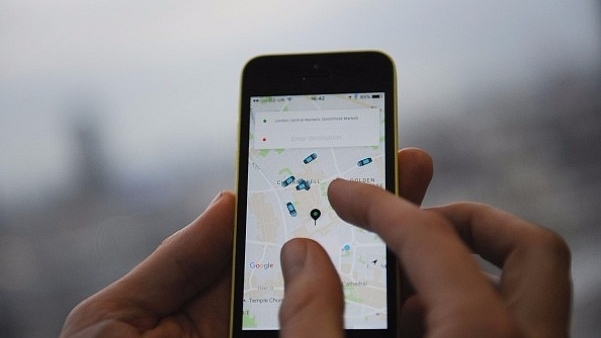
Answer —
(298, 145)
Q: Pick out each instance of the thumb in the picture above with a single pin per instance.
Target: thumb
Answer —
(313, 303)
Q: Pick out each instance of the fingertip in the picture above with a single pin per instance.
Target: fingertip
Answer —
(221, 196)
(292, 258)
(418, 161)
(224, 196)
(335, 183)
(415, 152)
(336, 190)
(313, 301)
(297, 252)
(416, 169)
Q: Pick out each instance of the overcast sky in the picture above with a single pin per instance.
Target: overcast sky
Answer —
(160, 78)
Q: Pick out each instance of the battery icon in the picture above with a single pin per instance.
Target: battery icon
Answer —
(375, 96)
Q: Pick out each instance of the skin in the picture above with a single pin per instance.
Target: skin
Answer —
(452, 297)
(183, 288)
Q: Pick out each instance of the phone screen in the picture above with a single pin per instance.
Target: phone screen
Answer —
(297, 145)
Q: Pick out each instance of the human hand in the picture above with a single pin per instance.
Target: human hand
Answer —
(453, 298)
(313, 301)
(183, 288)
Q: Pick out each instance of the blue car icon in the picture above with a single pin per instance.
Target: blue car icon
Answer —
(291, 209)
(364, 161)
(310, 158)
(287, 181)
(303, 185)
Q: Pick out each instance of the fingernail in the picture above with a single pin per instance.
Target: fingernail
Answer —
(216, 198)
(293, 257)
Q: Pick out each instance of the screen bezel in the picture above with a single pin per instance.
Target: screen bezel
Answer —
(313, 74)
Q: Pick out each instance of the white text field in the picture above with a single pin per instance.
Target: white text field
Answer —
(317, 128)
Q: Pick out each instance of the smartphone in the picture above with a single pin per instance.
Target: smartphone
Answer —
(305, 120)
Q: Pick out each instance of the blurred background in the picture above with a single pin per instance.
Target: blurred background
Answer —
(118, 123)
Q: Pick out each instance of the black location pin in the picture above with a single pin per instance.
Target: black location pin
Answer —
(315, 213)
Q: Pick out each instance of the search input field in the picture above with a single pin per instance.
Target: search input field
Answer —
(317, 128)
